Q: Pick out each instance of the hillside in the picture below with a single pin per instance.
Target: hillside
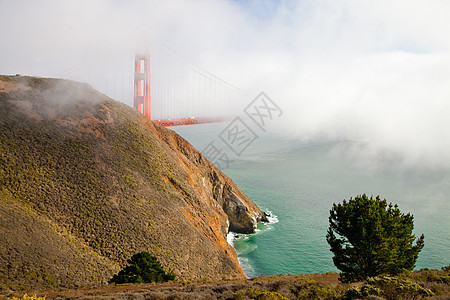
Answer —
(86, 182)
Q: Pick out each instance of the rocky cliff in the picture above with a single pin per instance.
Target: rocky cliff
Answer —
(86, 182)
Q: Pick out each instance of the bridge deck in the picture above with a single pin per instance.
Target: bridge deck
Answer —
(190, 121)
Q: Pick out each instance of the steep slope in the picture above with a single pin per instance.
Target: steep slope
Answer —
(86, 182)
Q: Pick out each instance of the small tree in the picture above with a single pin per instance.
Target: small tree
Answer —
(368, 237)
(142, 268)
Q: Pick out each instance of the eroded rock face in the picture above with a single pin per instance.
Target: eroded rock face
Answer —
(99, 183)
(242, 215)
(242, 219)
(242, 212)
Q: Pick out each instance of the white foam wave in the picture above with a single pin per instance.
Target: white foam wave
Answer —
(272, 218)
(247, 267)
(231, 236)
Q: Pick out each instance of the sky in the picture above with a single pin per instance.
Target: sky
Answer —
(372, 71)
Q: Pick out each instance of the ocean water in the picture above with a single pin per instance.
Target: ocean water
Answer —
(297, 182)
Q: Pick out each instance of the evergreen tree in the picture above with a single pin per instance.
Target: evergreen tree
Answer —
(368, 237)
(142, 268)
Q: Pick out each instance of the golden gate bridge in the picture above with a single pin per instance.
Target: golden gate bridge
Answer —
(161, 84)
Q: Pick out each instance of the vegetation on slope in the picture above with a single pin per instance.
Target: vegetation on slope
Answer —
(423, 284)
(142, 268)
(85, 182)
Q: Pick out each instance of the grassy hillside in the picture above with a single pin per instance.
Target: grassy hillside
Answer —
(86, 182)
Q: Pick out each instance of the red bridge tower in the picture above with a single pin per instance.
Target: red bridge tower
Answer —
(142, 99)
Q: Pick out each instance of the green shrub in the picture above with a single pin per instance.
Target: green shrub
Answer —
(397, 288)
(352, 293)
(142, 268)
(370, 290)
(369, 237)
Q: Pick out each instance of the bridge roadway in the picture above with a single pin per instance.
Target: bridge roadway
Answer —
(190, 121)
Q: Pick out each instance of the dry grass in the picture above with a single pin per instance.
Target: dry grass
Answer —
(311, 286)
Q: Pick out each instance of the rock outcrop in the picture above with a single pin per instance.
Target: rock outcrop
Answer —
(242, 212)
(86, 182)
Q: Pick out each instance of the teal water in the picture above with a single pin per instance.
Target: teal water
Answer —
(298, 182)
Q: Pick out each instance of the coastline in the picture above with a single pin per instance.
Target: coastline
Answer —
(243, 245)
